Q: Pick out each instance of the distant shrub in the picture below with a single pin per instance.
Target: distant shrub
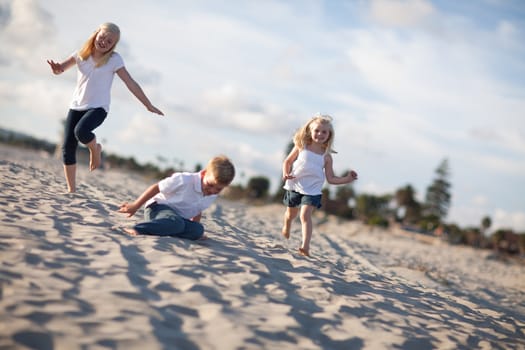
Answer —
(377, 220)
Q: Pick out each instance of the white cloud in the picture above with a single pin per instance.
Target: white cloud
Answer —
(508, 219)
(228, 107)
(27, 35)
(508, 33)
(479, 200)
(373, 188)
(401, 12)
(36, 103)
(139, 130)
(499, 164)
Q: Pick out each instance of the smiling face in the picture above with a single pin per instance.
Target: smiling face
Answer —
(319, 132)
(105, 41)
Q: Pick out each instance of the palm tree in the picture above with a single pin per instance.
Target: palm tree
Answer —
(486, 222)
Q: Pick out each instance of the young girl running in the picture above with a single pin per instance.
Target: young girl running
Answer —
(97, 63)
(305, 170)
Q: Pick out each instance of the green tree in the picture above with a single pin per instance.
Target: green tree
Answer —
(405, 200)
(373, 209)
(339, 206)
(437, 200)
(486, 222)
(344, 193)
(258, 187)
(454, 233)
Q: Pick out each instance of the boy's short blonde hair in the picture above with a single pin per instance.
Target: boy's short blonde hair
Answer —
(222, 169)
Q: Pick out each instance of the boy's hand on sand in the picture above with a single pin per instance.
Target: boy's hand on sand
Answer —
(127, 208)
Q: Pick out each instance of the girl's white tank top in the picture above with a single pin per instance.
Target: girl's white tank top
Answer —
(308, 170)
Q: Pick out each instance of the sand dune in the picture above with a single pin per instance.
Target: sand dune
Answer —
(70, 281)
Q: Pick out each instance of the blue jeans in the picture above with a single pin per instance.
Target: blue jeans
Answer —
(79, 127)
(161, 220)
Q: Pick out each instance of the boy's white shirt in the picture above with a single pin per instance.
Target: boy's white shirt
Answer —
(93, 89)
(183, 193)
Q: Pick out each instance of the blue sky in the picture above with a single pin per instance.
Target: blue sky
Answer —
(409, 83)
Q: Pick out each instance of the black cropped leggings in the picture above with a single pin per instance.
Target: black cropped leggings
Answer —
(78, 128)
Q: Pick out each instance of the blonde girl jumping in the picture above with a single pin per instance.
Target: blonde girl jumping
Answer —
(97, 62)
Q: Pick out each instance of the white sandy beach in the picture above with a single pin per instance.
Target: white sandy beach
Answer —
(68, 281)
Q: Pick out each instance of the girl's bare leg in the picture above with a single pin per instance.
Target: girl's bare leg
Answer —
(95, 154)
(70, 171)
(306, 226)
(289, 215)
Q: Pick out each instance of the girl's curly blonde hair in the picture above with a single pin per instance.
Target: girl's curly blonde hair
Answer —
(89, 45)
(303, 136)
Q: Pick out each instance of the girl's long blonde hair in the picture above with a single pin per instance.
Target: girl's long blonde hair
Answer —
(303, 136)
(87, 48)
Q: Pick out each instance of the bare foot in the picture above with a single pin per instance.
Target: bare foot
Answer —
(131, 231)
(286, 233)
(303, 252)
(94, 157)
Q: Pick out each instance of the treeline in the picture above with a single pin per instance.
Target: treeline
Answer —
(109, 160)
(25, 141)
(400, 208)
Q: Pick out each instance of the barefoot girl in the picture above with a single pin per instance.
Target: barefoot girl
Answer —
(97, 63)
(305, 170)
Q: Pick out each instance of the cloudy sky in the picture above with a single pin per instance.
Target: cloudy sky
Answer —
(409, 83)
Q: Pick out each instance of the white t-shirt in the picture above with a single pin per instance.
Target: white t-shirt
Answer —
(308, 170)
(183, 193)
(93, 88)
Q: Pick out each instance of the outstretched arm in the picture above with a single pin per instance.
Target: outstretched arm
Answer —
(136, 90)
(59, 68)
(288, 162)
(331, 178)
(131, 208)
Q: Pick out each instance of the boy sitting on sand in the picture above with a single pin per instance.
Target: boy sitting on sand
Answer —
(174, 204)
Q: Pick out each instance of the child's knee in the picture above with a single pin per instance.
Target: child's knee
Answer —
(194, 231)
(306, 215)
(84, 136)
(201, 236)
(199, 232)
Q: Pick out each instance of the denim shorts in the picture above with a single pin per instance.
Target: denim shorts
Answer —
(296, 199)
